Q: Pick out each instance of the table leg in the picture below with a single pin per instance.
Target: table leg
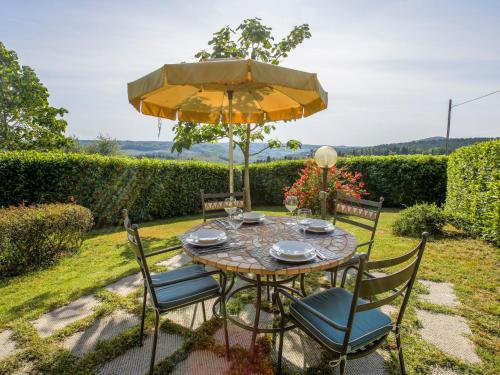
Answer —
(257, 317)
(302, 284)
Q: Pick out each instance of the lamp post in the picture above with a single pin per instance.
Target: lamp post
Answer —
(326, 157)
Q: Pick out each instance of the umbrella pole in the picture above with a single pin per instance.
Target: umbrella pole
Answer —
(231, 177)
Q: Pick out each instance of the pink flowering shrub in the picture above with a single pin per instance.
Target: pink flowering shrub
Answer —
(309, 184)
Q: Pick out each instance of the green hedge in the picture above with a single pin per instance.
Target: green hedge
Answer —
(473, 195)
(267, 180)
(37, 235)
(402, 180)
(153, 188)
(149, 188)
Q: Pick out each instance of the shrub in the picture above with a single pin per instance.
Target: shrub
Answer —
(307, 187)
(420, 218)
(402, 180)
(473, 195)
(38, 235)
(148, 188)
(154, 188)
(267, 180)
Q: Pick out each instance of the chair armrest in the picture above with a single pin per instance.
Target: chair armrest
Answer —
(162, 251)
(187, 278)
(365, 244)
(310, 309)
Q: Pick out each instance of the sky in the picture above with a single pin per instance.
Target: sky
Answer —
(389, 66)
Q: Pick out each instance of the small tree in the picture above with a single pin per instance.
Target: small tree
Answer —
(252, 39)
(27, 121)
(104, 145)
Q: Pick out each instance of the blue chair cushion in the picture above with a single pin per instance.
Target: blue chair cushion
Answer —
(335, 304)
(184, 292)
(177, 273)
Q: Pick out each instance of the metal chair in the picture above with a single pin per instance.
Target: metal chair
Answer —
(215, 202)
(359, 208)
(174, 289)
(351, 325)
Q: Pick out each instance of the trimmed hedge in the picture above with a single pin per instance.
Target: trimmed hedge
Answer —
(37, 235)
(267, 180)
(154, 188)
(148, 188)
(402, 180)
(473, 195)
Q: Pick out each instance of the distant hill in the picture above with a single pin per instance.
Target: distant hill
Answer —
(218, 152)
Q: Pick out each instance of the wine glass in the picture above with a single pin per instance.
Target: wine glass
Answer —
(230, 205)
(236, 219)
(291, 203)
(304, 219)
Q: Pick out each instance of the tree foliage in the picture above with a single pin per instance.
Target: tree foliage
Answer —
(251, 39)
(103, 145)
(27, 121)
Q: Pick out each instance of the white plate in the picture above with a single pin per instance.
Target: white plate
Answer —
(206, 237)
(328, 229)
(293, 249)
(253, 217)
(307, 258)
(319, 224)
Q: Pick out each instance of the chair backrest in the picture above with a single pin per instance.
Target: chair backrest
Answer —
(215, 201)
(395, 284)
(364, 209)
(136, 244)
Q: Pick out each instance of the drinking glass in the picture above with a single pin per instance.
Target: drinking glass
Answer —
(236, 219)
(304, 219)
(230, 205)
(291, 203)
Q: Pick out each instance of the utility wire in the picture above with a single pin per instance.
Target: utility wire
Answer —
(479, 97)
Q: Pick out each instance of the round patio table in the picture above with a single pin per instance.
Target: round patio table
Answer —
(247, 254)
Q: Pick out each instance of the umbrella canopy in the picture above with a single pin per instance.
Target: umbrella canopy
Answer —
(228, 91)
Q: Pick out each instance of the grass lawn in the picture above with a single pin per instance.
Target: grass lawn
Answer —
(471, 265)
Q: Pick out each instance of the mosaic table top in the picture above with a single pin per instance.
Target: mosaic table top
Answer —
(253, 241)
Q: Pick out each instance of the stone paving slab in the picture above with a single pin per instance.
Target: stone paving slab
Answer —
(248, 316)
(61, 317)
(136, 360)
(237, 336)
(448, 333)
(301, 352)
(202, 362)
(7, 346)
(373, 364)
(105, 328)
(389, 310)
(176, 261)
(439, 294)
(191, 316)
(126, 285)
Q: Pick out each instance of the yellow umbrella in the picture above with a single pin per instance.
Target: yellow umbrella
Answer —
(227, 91)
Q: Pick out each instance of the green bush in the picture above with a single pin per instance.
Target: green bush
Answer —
(268, 180)
(473, 195)
(148, 188)
(153, 188)
(420, 218)
(37, 235)
(402, 180)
